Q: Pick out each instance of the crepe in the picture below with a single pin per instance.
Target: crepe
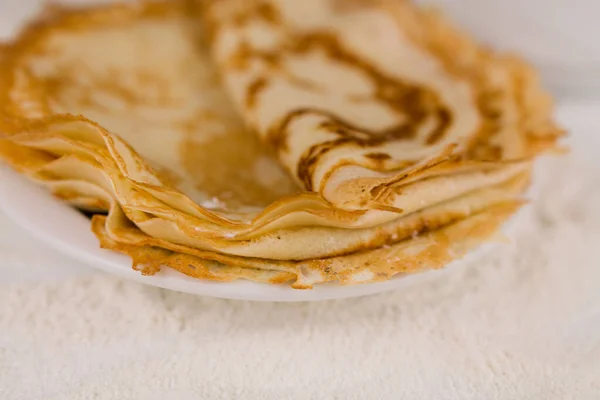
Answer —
(120, 110)
(358, 98)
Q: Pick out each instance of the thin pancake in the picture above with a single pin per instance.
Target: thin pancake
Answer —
(357, 97)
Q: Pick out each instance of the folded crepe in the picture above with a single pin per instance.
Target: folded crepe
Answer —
(360, 99)
(120, 110)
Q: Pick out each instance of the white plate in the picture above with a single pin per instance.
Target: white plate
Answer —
(68, 231)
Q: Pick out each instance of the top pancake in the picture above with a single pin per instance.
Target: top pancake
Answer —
(359, 97)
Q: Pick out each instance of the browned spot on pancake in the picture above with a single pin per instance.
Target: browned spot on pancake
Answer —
(245, 53)
(378, 156)
(308, 161)
(491, 152)
(237, 12)
(268, 12)
(254, 90)
(275, 139)
(444, 119)
(254, 10)
(480, 146)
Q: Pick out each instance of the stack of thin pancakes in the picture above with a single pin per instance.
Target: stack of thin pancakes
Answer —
(277, 141)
